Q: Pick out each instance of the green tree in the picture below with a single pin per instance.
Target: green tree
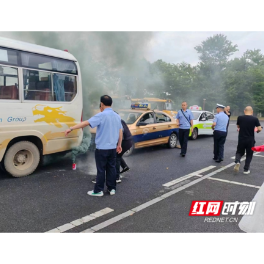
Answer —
(216, 50)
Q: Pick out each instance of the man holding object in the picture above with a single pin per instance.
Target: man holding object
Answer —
(108, 141)
(246, 138)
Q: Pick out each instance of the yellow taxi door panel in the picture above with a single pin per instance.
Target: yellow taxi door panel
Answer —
(164, 127)
(147, 136)
(160, 129)
(146, 131)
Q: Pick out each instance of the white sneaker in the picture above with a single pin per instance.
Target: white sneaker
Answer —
(237, 166)
(92, 193)
(112, 192)
(246, 172)
(118, 181)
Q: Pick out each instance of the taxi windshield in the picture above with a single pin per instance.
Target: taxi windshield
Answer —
(130, 117)
(196, 115)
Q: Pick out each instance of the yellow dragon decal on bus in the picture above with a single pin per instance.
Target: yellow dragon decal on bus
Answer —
(52, 115)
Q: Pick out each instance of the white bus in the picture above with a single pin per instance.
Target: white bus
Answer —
(40, 97)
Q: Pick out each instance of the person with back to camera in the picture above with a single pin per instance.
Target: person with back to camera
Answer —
(108, 141)
(246, 138)
(126, 145)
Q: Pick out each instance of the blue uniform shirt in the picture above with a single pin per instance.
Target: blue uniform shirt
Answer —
(221, 120)
(184, 124)
(108, 124)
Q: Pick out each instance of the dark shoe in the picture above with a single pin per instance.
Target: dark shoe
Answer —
(125, 170)
(183, 155)
(218, 161)
(94, 180)
(214, 158)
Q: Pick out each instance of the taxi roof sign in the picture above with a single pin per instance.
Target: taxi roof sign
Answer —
(140, 106)
(195, 107)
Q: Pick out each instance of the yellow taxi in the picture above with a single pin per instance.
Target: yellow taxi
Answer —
(150, 128)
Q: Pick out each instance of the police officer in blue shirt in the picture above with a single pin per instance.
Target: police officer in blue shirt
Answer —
(108, 141)
(219, 126)
(184, 118)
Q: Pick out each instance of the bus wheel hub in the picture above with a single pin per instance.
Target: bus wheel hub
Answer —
(20, 158)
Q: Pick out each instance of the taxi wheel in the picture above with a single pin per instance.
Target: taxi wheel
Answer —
(172, 141)
(130, 151)
(194, 134)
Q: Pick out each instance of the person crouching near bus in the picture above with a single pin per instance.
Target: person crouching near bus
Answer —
(184, 118)
(108, 141)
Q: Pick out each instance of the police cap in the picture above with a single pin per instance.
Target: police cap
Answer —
(220, 106)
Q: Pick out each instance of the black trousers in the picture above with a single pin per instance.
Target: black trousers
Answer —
(126, 145)
(106, 169)
(183, 138)
(245, 144)
(219, 142)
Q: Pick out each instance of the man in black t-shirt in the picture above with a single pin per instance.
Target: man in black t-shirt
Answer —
(246, 138)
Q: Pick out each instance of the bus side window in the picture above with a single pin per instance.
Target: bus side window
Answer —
(37, 85)
(8, 83)
(65, 88)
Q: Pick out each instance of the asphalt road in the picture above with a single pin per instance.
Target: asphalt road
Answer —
(55, 195)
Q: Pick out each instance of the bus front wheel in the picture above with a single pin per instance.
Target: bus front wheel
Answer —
(22, 159)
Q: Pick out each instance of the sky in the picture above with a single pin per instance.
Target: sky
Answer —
(177, 47)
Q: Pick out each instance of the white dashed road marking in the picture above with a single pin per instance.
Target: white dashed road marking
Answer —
(80, 221)
(196, 173)
(233, 182)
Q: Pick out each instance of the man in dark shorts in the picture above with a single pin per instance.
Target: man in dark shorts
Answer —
(246, 138)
